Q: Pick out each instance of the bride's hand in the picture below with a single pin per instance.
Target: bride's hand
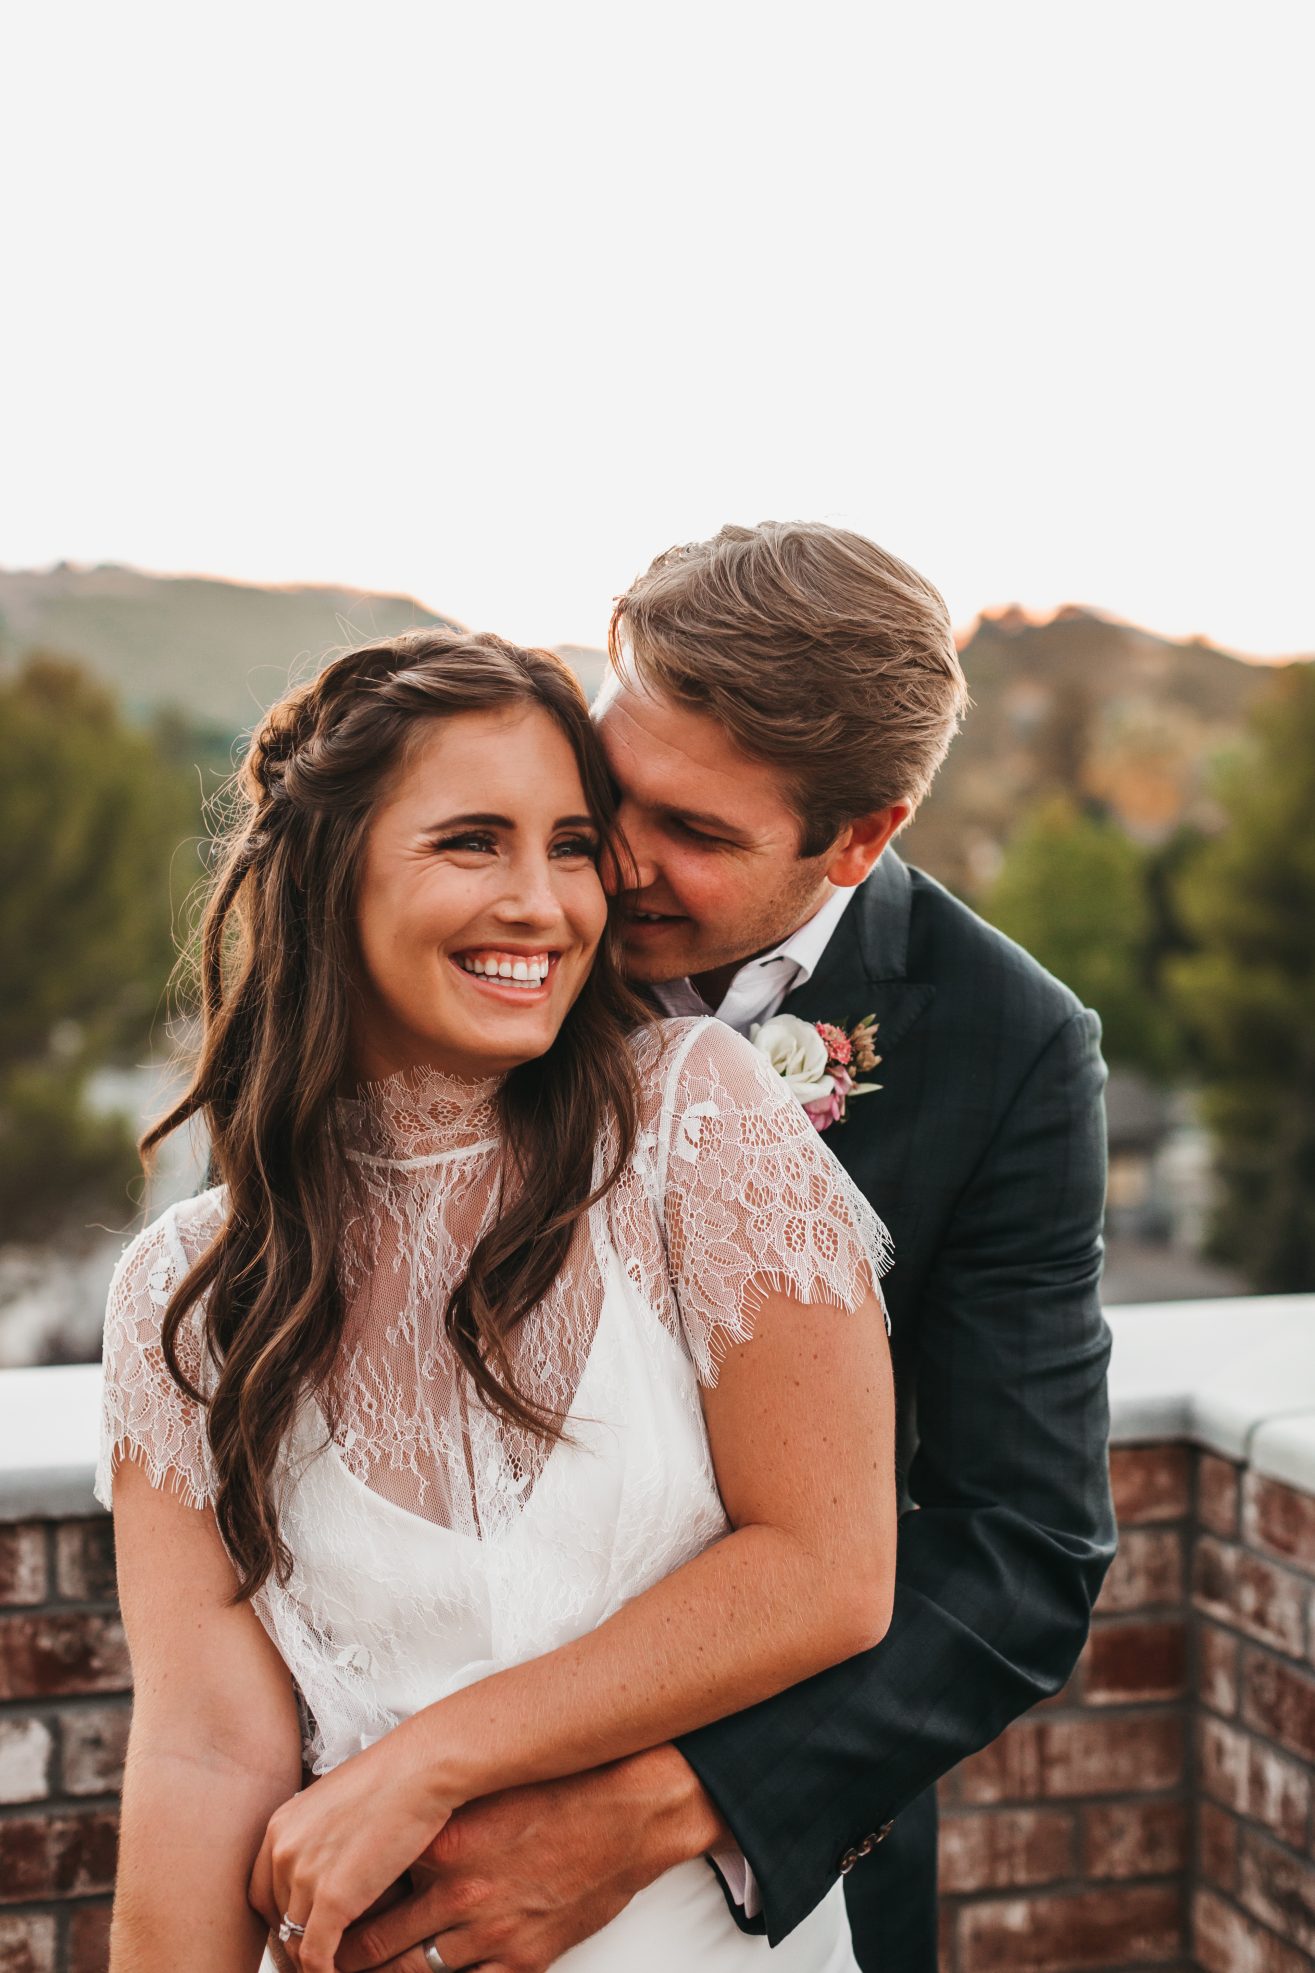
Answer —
(330, 1852)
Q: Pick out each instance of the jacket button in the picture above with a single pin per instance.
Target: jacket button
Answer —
(847, 1862)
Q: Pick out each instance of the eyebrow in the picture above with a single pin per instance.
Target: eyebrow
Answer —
(716, 825)
(505, 822)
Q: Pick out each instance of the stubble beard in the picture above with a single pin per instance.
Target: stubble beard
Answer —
(704, 952)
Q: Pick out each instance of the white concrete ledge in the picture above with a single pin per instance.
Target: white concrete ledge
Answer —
(1236, 1376)
(1222, 1374)
(49, 1427)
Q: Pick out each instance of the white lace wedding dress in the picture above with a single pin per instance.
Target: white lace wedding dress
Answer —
(434, 1543)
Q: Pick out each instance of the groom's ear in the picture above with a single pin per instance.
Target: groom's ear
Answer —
(861, 842)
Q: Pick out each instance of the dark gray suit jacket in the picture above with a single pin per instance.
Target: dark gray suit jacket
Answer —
(984, 1152)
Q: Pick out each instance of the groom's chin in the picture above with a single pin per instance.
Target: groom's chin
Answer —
(646, 969)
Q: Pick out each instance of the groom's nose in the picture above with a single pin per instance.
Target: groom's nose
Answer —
(643, 869)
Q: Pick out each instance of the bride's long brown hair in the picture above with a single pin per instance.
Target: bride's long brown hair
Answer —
(278, 961)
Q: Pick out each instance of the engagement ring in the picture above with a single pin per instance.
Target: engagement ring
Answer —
(288, 1930)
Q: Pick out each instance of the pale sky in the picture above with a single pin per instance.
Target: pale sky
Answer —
(488, 303)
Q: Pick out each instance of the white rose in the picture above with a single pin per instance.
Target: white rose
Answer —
(798, 1054)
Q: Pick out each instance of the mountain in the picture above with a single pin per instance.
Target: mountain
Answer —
(219, 652)
(1084, 705)
(1080, 703)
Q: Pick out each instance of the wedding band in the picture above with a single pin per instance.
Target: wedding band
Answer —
(434, 1959)
(289, 1930)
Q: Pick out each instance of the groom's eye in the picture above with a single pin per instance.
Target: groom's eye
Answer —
(694, 835)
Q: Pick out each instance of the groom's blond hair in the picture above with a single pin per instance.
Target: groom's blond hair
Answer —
(817, 651)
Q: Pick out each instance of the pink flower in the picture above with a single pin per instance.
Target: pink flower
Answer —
(837, 1043)
(828, 1110)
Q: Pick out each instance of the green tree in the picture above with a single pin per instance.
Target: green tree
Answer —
(1073, 890)
(91, 817)
(1248, 990)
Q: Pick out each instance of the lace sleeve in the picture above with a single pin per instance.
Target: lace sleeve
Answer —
(143, 1411)
(752, 1200)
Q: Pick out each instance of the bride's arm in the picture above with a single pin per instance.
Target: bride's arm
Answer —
(801, 1424)
(214, 1746)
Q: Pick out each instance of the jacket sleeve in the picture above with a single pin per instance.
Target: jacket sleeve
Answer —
(1002, 1558)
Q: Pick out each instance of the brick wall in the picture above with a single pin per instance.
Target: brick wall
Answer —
(63, 1727)
(1157, 1811)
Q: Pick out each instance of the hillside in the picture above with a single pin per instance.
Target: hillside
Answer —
(1088, 706)
(218, 651)
(1080, 703)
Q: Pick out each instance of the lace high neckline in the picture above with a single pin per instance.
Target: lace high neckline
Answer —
(420, 1113)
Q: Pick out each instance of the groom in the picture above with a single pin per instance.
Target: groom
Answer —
(780, 700)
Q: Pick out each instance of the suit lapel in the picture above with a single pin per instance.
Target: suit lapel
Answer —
(864, 968)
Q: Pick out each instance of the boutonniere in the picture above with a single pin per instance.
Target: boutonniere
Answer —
(818, 1062)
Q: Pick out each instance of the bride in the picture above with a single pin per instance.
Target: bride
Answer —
(519, 1400)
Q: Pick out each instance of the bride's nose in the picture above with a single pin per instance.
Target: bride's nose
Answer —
(530, 897)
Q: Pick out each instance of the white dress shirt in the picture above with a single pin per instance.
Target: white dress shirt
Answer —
(761, 985)
(754, 995)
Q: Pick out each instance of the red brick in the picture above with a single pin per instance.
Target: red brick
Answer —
(58, 1856)
(94, 1743)
(89, 1939)
(1223, 1941)
(1000, 1849)
(946, 1957)
(25, 1749)
(1277, 1888)
(27, 1943)
(62, 1651)
(1217, 1670)
(22, 1566)
(1217, 1496)
(1150, 1483)
(1127, 1664)
(1081, 1932)
(1216, 1845)
(1279, 1519)
(1046, 1759)
(1279, 1702)
(1253, 1595)
(1146, 1572)
(1253, 1780)
(84, 1561)
(1134, 1839)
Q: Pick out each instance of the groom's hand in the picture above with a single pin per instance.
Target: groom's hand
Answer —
(513, 1881)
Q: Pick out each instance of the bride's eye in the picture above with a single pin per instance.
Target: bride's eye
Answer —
(577, 847)
(473, 839)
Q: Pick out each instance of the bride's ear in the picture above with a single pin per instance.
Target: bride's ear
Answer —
(861, 842)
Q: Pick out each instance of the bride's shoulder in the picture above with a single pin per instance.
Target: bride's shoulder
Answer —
(157, 1257)
(691, 1057)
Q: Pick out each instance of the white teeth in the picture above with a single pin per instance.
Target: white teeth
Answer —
(518, 972)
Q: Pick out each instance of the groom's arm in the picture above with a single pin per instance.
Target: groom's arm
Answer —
(1001, 1562)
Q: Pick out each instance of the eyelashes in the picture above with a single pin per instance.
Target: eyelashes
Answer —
(480, 842)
